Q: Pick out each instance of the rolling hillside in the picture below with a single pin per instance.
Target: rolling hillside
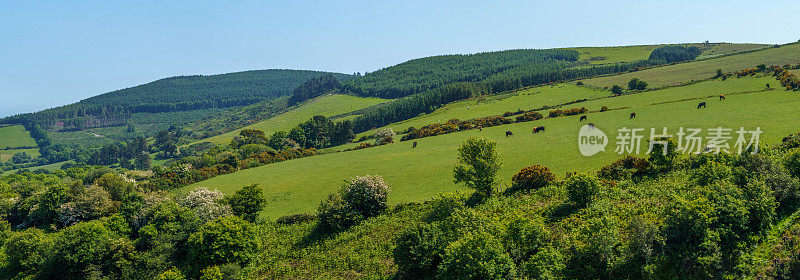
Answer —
(704, 69)
(418, 174)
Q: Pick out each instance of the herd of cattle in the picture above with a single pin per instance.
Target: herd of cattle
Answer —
(538, 129)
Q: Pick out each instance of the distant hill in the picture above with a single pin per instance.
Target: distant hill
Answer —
(182, 93)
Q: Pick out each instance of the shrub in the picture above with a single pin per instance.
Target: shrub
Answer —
(444, 206)
(90, 249)
(532, 178)
(547, 263)
(603, 109)
(419, 251)
(229, 271)
(529, 116)
(367, 195)
(581, 188)
(225, 240)
(206, 204)
(296, 219)
(479, 163)
(711, 172)
(171, 274)
(792, 164)
(116, 185)
(335, 215)
(476, 256)
(636, 84)
(91, 203)
(616, 89)
(524, 237)
(383, 133)
(624, 168)
(247, 202)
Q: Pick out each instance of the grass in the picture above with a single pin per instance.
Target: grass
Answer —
(328, 105)
(49, 167)
(423, 172)
(699, 70)
(15, 136)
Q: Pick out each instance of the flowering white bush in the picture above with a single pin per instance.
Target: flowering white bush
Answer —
(382, 134)
(91, 203)
(367, 195)
(206, 204)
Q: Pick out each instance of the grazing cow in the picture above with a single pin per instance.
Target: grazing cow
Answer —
(583, 118)
(414, 145)
(538, 129)
(480, 128)
(767, 85)
(701, 105)
(721, 97)
(509, 133)
(633, 115)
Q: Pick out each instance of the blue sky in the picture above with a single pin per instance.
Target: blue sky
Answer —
(58, 52)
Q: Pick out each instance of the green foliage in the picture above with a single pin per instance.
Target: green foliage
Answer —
(419, 251)
(636, 84)
(479, 165)
(27, 250)
(792, 163)
(672, 54)
(524, 237)
(90, 249)
(226, 240)
(171, 274)
(616, 89)
(321, 132)
(581, 188)
(247, 202)
(363, 197)
(532, 178)
(314, 87)
(476, 256)
(663, 153)
(116, 185)
(711, 172)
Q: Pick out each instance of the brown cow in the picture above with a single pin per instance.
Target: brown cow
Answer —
(721, 97)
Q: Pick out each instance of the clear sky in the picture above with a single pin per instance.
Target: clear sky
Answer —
(58, 52)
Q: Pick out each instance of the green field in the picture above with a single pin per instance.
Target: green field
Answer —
(427, 170)
(49, 167)
(686, 72)
(15, 136)
(328, 105)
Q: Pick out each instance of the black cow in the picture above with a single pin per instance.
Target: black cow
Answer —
(538, 129)
(721, 97)
(583, 118)
(701, 105)
(633, 115)
(509, 133)
(415, 145)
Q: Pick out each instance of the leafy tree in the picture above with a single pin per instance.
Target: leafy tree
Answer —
(116, 186)
(672, 54)
(616, 89)
(89, 249)
(27, 250)
(476, 256)
(314, 87)
(479, 165)
(636, 84)
(247, 202)
(419, 251)
(532, 177)
(142, 161)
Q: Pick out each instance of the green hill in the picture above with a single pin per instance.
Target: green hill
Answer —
(183, 93)
(420, 173)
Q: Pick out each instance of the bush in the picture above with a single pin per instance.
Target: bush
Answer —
(171, 274)
(419, 251)
(616, 89)
(444, 206)
(296, 219)
(792, 164)
(367, 195)
(335, 215)
(383, 133)
(624, 168)
(91, 203)
(524, 237)
(711, 172)
(116, 185)
(221, 272)
(476, 256)
(90, 249)
(206, 204)
(247, 202)
(532, 178)
(581, 188)
(636, 84)
(603, 109)
(225, 240)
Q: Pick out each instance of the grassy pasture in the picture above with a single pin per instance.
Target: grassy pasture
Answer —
(15, 136)
(686, 72)
(328, 105)
(427, 170)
